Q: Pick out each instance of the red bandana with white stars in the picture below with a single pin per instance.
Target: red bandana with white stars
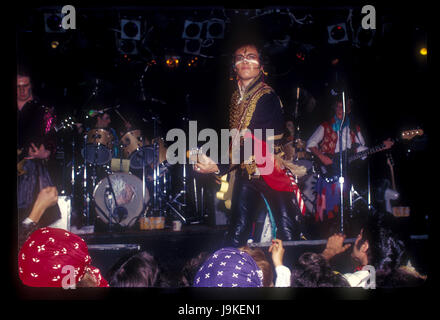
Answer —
(47, 250)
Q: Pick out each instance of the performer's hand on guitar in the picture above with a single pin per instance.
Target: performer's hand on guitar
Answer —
(388, 143)
(38, 153)
(325, 160)
(205, 164)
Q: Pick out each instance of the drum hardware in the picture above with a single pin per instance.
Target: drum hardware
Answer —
(182, 193)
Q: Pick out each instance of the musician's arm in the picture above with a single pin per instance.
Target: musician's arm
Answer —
(312, 146)
(359, 139)
(314, 140)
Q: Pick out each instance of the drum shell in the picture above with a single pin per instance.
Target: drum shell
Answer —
(134, 202)
(131, 142)
(100, 137)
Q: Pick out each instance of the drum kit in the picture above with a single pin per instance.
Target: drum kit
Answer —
(119, 191)
(118, 181)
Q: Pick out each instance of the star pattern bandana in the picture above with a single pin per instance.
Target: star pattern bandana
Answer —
(47, 250)
(229, 267)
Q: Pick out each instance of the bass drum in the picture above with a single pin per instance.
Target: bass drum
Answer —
(128, 192)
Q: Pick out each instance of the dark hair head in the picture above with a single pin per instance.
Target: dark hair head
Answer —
(314, 271)
(262, 262)
(401, 277)
(386, 250)
(139, 270)
(190, 269)
(334, 100)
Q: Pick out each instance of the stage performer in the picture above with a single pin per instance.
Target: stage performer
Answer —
(255, 105)
(324, 144)
(36, 144)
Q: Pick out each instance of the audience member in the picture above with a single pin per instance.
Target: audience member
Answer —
(45, 254)
(313, 270)
(229, 267)
(139, 270)
(376, 246)
(243, 267)
(190, 269)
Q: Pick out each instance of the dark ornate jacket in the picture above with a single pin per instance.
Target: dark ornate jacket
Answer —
(258, 108)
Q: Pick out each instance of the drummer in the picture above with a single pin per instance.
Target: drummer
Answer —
(103, 121)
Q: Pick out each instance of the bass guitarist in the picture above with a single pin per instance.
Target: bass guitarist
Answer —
(324, 144)
(36, 144)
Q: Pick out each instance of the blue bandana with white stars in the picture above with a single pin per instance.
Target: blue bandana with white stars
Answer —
(229, 267)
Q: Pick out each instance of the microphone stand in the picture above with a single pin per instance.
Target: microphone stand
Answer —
(296, 114)
(341, 172)
(85, 191)
(116, 203)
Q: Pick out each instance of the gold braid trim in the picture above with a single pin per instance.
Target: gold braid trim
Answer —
(241, 112)
(237, 108)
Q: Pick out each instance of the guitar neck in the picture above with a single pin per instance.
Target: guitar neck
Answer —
(393, 181)
(367, 152)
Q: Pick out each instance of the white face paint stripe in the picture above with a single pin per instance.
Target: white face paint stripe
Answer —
(249, 61)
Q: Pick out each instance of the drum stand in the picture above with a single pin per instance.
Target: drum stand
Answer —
(182, 193)
(87, 194)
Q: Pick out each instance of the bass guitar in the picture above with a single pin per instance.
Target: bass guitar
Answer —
(331, 172)
(397, 211)
(67, 123)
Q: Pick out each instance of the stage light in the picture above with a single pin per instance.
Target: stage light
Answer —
(53, 22)
(337, 33)
(193, 62)
(216, 29)
(192, 30)
(130, 29)
(423, 51)
(192, 46)
(172, 61)
(126, 46)
(301, 56)
(54, 44)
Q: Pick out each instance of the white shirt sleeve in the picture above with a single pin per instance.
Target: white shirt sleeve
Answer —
(283, 277)
(359, 139)
(316, 138)
(358, 278)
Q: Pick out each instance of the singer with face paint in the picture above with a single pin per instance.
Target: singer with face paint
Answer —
(254, 105)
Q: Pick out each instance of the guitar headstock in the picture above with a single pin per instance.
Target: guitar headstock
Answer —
(409, 134)
(64, 124)
(390, 159)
